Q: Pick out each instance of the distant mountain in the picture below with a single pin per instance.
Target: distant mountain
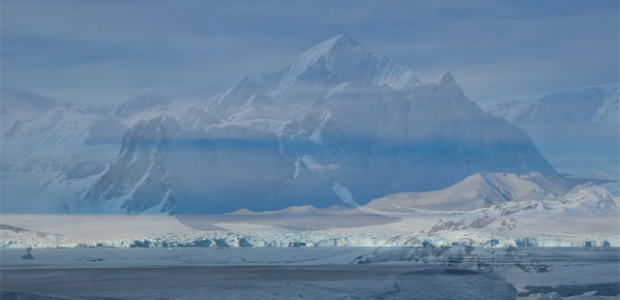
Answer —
(18, 105)
(308, 210)
(46, 135)
(58, 138)
(64, 125)
(131, 110)
(341, 125)
(576, 130)
(593, 104)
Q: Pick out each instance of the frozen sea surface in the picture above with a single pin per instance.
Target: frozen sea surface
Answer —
(307, 273)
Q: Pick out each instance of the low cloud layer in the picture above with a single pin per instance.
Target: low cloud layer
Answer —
(102, 51)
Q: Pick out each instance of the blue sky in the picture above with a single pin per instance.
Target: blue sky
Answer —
(104, 51)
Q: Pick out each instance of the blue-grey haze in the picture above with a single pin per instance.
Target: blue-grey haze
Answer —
(103, 51)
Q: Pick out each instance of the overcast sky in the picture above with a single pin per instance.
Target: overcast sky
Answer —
(103, 51)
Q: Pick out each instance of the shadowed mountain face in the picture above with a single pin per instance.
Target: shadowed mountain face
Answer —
(341, 124)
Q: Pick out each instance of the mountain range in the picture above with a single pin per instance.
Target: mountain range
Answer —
(341, 125)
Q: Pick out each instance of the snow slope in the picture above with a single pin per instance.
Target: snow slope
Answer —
(474, 192)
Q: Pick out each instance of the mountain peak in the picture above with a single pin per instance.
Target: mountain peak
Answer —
(342, 40)
(167, 123)
(446, 79)
(342, 59)
(338, 44)
(448, 83)
(239, 84)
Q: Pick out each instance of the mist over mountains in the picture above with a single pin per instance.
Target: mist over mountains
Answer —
(341, 125)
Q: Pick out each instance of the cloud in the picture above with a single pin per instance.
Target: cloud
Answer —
(270, 177)
(315, 167)
(94, 51)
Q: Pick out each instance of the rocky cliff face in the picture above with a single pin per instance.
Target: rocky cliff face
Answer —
(137, 179)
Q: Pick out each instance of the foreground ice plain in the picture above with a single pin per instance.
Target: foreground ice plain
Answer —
(314, 273)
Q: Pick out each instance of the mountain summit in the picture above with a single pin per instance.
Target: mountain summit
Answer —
(335, 61)
(342, 59)
(341, 125)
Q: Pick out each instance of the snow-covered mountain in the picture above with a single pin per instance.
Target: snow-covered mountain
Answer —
(51, 149)
(18, 105)
(585, 200)
(588, 212)
(138, 170)
(595, 104)
(586, 216)
(341, 124)
(64, 125)
(576, 130)
(476, 191)
(45, 135)
(59, 138)
(132, 110)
